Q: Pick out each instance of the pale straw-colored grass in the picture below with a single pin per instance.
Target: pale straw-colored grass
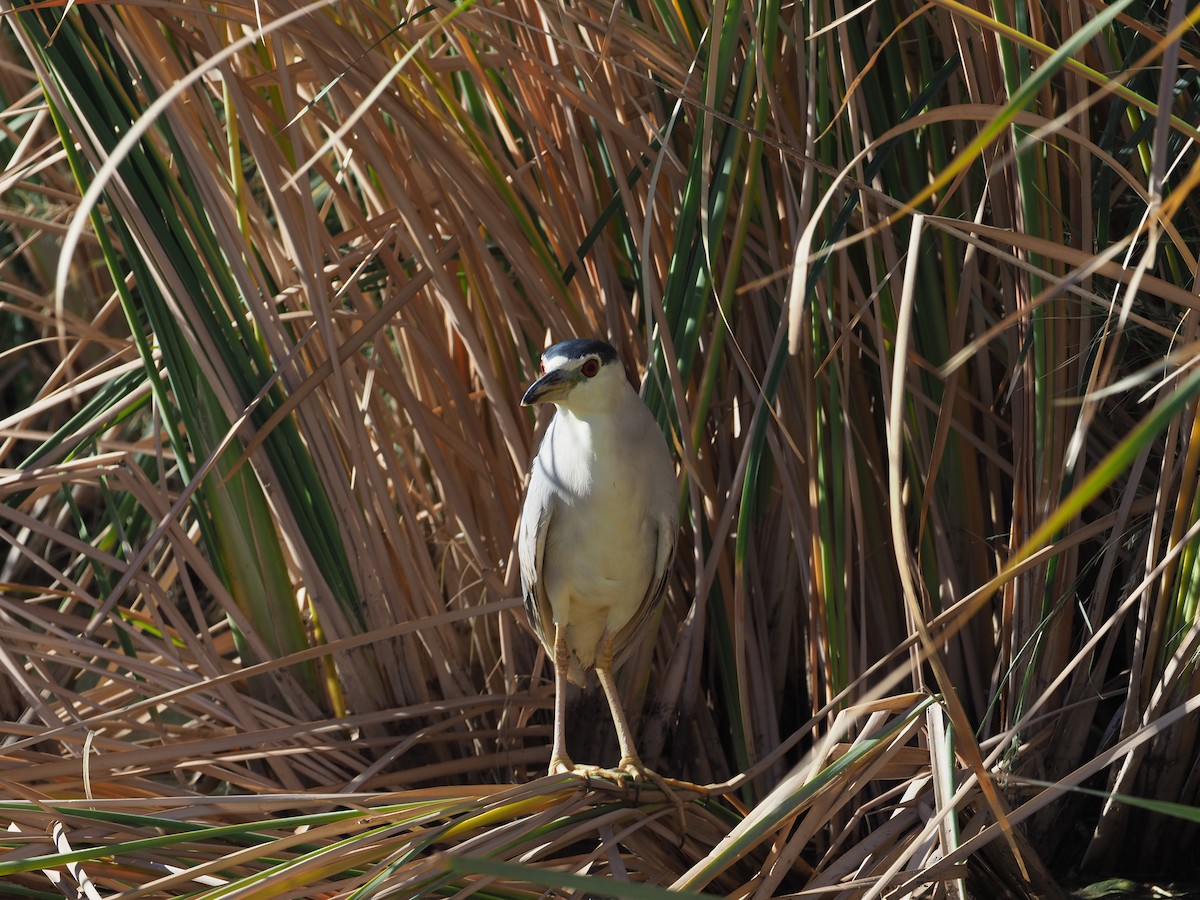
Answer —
(274, 278)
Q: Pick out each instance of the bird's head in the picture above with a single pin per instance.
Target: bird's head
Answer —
(578, 373)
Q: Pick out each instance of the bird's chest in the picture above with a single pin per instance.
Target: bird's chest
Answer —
(603, 559)
(601, 539)
(591, 469)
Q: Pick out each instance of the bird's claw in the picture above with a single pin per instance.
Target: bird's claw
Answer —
(640, 774)
(631, 768)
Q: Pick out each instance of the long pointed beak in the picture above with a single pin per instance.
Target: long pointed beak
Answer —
(549, 387)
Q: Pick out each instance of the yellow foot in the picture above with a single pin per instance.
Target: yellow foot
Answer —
(630, 767)
(561, 765)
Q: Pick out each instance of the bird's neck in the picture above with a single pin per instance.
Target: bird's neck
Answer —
(600, 407)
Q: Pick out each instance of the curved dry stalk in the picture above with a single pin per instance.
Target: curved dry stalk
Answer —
(263, 457)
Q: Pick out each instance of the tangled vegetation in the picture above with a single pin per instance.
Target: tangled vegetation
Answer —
(910, 289)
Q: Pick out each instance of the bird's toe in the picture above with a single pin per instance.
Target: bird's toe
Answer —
(633, 767)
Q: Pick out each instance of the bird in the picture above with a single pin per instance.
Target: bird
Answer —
(597, 532)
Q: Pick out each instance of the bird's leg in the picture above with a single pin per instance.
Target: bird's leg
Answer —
(630, 762)
(559, 761)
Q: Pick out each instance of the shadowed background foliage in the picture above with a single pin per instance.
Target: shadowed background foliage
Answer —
(910, 290)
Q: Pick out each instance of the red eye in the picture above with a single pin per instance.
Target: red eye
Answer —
(591, 367)
(543, 367)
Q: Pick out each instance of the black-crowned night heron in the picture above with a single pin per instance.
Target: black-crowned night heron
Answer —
(597, 530)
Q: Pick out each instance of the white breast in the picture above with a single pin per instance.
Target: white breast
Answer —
(600, 560)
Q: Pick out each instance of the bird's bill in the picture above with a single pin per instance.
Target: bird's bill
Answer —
(551, 386)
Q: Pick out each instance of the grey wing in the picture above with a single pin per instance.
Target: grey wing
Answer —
(629, 637)
(536, 516)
